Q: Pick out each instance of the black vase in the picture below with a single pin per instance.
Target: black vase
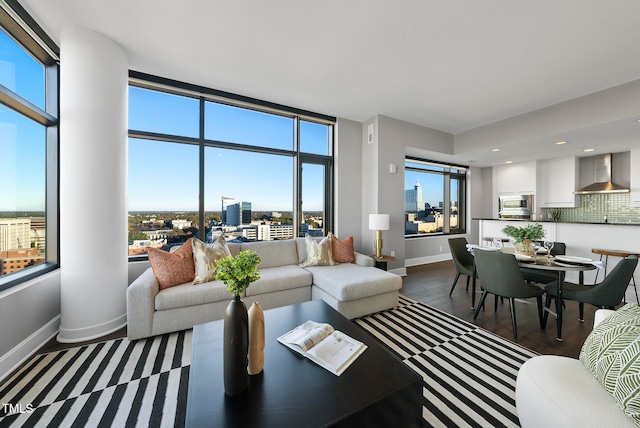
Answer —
(236, 347)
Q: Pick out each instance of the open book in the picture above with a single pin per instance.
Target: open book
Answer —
(330, 349)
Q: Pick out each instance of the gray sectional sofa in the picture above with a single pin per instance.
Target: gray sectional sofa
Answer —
(353, 289)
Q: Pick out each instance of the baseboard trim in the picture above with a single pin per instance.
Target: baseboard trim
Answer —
(399, 271)
(13, 359)
(91, 332)
(426, 260)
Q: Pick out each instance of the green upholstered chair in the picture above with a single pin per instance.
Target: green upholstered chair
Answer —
(606, 294)
(462, 260)
(542, 276)
(500, 275)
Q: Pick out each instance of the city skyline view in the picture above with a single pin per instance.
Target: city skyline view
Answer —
(157, 168)
(432, 186)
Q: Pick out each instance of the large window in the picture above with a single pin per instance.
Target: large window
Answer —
(204, 164)
(434, 198)
(28, 151)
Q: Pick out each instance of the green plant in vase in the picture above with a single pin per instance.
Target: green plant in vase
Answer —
(237, 273)
(523, 236)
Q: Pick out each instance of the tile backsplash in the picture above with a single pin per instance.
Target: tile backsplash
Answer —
(594, 208)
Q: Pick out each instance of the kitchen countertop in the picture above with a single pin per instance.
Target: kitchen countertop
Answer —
(613, 223)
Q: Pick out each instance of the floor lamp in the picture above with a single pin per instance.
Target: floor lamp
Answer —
(378, 222)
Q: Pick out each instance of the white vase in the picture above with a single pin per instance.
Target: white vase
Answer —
(256, 339)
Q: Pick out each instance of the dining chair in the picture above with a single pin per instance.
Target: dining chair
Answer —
(607, 294)
(500, 275)
(462, 260)
(540, 276)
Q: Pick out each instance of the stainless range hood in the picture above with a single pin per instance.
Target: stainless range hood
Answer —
(603, 183)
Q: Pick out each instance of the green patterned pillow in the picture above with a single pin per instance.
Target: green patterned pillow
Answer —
(611, 353)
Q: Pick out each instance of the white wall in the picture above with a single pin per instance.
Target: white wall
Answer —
(348, 181)
(369, 180)
(383, 191)
(29, 317)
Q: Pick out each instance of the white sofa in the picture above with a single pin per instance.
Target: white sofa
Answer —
(555, 391)
(352, 289)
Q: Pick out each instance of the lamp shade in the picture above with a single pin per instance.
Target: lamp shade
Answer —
(379, 221)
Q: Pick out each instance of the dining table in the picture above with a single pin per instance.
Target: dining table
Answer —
(543, 263)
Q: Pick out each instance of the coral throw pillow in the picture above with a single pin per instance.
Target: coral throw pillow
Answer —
(172, 268)
(205, 258)
(343, 250)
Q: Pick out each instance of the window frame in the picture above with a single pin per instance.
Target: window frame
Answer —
(20, 26)
(448, 175)
(206, 95)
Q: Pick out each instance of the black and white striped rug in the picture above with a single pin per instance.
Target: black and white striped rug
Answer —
(468, 376)
(110, 384)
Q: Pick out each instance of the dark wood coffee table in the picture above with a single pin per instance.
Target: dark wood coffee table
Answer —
(376, 390)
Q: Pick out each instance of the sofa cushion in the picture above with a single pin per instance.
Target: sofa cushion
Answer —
(318, 253)
(555, 391)
(278, 279)
(273, 253)
(186, 295)
(205, 258)
(611, 353)
(172, 268)
(343, 250)
(348, 282)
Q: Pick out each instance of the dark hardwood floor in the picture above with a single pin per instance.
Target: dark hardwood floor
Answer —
(431, 284)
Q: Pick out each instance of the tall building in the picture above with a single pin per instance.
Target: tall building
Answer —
(238, 214)
(413, 199)
(226, 201)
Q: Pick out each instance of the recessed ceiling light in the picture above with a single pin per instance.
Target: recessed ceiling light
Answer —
(589, 150)
(559, 143)
(509, 162)
(495, 150)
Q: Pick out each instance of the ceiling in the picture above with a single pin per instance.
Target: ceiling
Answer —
(453, 66)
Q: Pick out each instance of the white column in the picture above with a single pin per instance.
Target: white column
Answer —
(93, 185)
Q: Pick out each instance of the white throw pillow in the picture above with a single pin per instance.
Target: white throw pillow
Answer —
(205, 258)
(318, 253)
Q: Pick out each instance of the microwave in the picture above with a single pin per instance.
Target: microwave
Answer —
(515, 207)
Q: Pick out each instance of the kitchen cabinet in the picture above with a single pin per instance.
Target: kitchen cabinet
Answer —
(558, 181)
(515, 179)
(634, 178)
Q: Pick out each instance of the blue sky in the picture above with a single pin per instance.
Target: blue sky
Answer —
(22, 141)
(164, 176)
(432, 186)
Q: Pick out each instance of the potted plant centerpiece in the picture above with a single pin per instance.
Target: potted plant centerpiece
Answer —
(523, 236)
(237, 273)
